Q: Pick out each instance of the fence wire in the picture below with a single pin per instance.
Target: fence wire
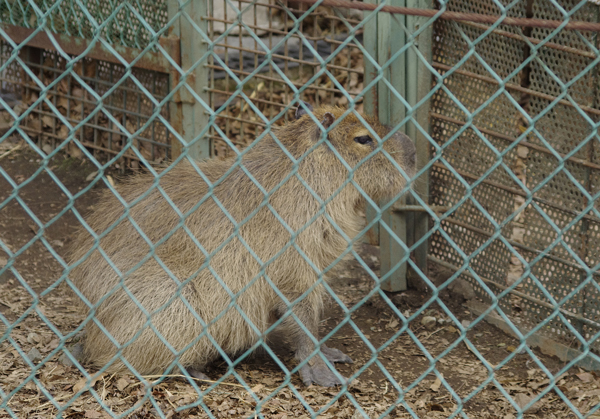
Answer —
(508, 176)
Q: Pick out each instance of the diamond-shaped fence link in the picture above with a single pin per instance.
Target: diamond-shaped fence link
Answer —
(200, 215)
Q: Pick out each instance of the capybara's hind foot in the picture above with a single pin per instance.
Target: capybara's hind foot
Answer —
(335, 355)
(320, 374)
(197, 374)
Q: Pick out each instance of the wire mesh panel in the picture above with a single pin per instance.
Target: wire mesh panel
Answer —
(124, 97)
(128, 24)
(127, 103)
(273, 31)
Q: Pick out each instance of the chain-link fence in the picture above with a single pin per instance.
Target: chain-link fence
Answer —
(460, 275)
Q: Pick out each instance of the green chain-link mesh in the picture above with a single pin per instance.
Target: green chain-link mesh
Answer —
(474, 141)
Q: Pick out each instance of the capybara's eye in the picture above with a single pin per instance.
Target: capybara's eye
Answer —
(363, 139)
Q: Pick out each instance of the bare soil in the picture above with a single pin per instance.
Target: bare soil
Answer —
(401, 375)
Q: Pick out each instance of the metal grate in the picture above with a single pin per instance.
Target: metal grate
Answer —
(121, 97)
(566, 130)
(472, 84)
(324, 29)
(560, 128)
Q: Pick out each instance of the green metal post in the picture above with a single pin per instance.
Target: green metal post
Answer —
(371, 104)
(385, 35)
(188, 115)
(391, 38)
(419, 85)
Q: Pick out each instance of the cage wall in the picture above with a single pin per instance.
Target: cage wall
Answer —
(105, 101)
(532, 152)
(511, 150)
(268, 27)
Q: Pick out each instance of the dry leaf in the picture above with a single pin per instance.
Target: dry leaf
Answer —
(392, 324)
(62, 102)
(436, 384)
(82, 383)
(586, 377)
(77, 92)
(522, 399)
(63, 132)
(92, 414)
(122, 383)
(522, 151)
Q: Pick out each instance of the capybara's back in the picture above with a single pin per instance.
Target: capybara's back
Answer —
(209, 254)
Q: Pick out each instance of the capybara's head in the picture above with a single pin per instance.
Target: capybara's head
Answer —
(374, 159)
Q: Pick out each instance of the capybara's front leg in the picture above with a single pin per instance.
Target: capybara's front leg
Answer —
(316, 370)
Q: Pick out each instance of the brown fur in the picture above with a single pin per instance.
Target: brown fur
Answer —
(153, 289)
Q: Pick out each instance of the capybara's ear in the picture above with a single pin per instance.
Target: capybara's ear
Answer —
(328, 119)
(303, 110)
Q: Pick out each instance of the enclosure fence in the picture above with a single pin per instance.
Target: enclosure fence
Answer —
(500, 97)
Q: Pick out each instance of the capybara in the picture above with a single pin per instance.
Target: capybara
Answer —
(219, 250)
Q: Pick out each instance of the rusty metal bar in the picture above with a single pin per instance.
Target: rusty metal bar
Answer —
(289, 59)
(276, 31)
(528, 144)
(517, 88)
(87, 143)
(154, 61)
(282, 105)
(521, 37)
(241, 120)
(419, 208)
(460, 17)
(515, 292)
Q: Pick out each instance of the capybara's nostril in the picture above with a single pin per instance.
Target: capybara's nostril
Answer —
(409, 152)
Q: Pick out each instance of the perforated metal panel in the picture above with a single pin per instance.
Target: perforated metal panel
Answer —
(566, 129)
(560, 128)
(465, 150)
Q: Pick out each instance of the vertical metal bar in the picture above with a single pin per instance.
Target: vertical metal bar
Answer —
(392, 37)
(419, 84)
(371, 103)
(188, 115)
(211, 85)
(386, 35)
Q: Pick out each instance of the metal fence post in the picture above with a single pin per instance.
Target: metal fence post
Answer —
(385, 35)
(370, 103)
(188, 116)
(418, 83)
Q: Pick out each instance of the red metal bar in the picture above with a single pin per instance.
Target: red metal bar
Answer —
(457, 16)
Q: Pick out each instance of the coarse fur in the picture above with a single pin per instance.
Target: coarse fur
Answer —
(117, 298)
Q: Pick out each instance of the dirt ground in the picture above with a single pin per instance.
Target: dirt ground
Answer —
(39, 307)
